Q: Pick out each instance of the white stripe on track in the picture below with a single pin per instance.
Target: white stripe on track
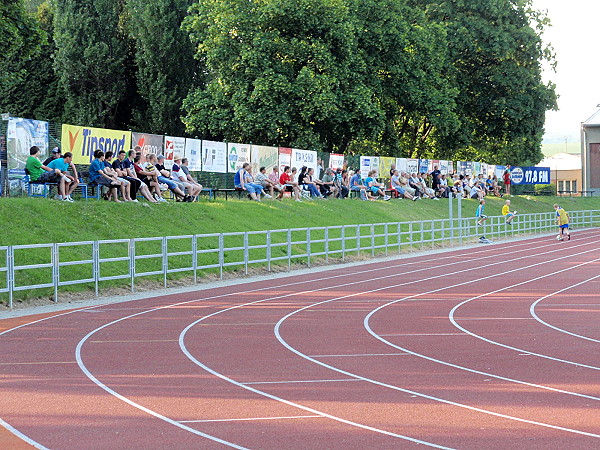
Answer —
(20, 435)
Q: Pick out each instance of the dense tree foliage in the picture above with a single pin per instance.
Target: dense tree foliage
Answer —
(456, 79)
(164, 57)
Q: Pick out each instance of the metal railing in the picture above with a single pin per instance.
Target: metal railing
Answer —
(45, 268)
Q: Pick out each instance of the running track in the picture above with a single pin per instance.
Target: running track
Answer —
(497, 346)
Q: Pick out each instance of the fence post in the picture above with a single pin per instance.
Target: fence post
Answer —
(386, 240)
(343, 243)
(132, 264)
(246, 252)
(165, 260)
(195, 257)
(221, 255)
(10, 273)
(289, 249)
(410, 236)
(358, 240)
(372, 240)
(269, 250)
(308, 247)
(96, 264)
(55, 271)
(399, 238)
(432, 234)
(326, 244)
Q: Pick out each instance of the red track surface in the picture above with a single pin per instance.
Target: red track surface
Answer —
(496, 347)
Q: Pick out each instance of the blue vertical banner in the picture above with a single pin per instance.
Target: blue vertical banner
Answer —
(423, 165)
(530, 175)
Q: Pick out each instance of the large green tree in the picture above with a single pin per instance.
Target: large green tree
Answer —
(91, 61)
(496, 54)
(282, 72)
(165, 62)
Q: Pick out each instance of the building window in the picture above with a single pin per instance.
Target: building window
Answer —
(561, 186)
(574, 185)
(568, 186)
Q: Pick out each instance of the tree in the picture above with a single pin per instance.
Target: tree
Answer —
(281, 72)
(20, 40)
(496, 53)
(165, 62)
(91, 61)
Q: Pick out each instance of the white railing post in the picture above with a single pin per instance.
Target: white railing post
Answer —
(195, 257)
(10, 273)
(246, 253)
(55, 271)
(132, 264)
(308, 249)
(221, 255)
(269, 250)
(96, 264)
(165, 260)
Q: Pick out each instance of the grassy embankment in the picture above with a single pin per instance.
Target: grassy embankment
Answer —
(38, 221)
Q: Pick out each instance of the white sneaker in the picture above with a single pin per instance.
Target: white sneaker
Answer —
(162, 200)
(268, 196)
(58, 197)
(68, 199)
(298, 200)
(435, 198)
(135, 200)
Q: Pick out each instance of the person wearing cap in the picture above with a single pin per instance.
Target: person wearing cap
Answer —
(55, 154)
(179, 177)
(164, 176)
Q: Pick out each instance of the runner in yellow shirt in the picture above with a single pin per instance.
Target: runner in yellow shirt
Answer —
(562, 219)
(506, 212)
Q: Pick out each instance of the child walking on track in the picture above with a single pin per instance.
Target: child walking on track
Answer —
(562, 219)
(482, 218)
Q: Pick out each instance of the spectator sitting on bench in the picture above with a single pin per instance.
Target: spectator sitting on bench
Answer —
(180, 178)
(122, 167)
(309, 182)
(38, 172)
(267, 183)
(289, 184)
(164, 175)
(374, 186)
(274, 177)
(67, 183)
(328, 186)
(125, 184)
(55, 154)
(190, 178)
(101, 178)
(395, 184)
(243, 180)
(357, 185)
(148, 177)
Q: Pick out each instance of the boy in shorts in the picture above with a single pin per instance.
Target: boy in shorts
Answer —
(562, 219)
(506, 212)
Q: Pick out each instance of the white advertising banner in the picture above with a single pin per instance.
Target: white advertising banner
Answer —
(336, 161)
(401, 164)
(173, 145)
(214, 156)
(264, 156)
(193, 152)
(412, 166)
(306, 158)
(444, 167)
(365, 165)
(285, 158)
(22, 134)
(237, 155)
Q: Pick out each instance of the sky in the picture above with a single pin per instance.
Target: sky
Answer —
(574, 36)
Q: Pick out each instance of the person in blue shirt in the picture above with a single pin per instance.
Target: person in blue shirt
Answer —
(101, 178)
(374, 186)
(357, 185)
(243, 180)
(67, 183)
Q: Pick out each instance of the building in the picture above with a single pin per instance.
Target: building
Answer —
(590, 153)
(565, 172)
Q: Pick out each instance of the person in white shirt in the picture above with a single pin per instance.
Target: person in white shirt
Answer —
(179, 177)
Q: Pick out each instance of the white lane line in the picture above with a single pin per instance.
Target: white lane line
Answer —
(495, 318)
(423, 334)
(82, 366)
(517, 349)
(20, 435)
(299, 381)
(205, 367)
(419, 394)
(234, 324)
(135, 341)
(358, 355)
(35, 363)
(252, 419)
(562, 330)
(137, 405)
(525, 246)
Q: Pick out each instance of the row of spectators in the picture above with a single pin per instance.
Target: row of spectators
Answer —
(339, 183)
(132, 173)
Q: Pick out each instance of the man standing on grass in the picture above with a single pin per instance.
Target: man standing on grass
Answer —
(562, 219)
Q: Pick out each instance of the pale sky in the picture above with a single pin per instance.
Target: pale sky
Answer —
(575, 38)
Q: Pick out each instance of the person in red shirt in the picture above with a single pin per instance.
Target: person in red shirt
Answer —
(506, 179)
(288, 184)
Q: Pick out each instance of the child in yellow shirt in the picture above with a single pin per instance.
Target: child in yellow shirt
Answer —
(506, 212)
(562, 219)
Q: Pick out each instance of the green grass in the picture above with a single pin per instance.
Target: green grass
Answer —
(40, 221)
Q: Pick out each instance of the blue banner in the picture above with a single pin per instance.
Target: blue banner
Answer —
(530, 175)
(423, 165)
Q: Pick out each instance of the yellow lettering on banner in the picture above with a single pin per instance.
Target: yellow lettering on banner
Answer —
(84, 141)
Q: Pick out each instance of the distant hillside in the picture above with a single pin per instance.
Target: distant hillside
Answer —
(554, 148)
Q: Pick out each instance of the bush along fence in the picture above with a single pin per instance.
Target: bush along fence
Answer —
(46, 269)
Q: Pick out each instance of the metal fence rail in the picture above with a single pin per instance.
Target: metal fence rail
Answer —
(45, 268)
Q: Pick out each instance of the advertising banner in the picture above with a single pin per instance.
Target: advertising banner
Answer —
(451, 168)
(476, 168)
(285, 158)
(22, 134)
(193, 152)
(401, 164)
(423, 165)
(264, 156)
(149, 143)
(84, 141)
(412, 166)
(499, 172)
(365, 165)
(306, 158)
(214, 156)
(460, 167)
(336, 161)
(237, 155)
(173, 145)
(444, 167)
(385, 164)
(530, 175)
(433, 163)
(468, 167)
